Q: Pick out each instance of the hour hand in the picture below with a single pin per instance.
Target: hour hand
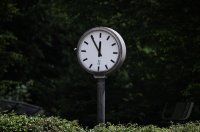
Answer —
(99, 54)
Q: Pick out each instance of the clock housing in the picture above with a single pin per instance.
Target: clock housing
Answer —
(101, 50)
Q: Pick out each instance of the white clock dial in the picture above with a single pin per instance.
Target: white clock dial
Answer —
(99, 51)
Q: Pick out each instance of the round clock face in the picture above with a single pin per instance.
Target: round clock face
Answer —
(99, 50)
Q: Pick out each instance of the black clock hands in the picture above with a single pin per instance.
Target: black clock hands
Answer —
(99, 54)
(98, 49)
(94, 42)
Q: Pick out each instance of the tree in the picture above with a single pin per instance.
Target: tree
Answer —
(162, 38)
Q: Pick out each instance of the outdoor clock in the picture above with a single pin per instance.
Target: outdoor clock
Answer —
(101, 50)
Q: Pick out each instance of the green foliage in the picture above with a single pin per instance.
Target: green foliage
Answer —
(7, 10)
(14, 90)
(22, 123)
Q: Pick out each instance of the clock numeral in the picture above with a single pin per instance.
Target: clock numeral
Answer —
(108, 37)
(99, 62)
(112, 61)
(106, 66)
(113, 44)
(83, 50)
(98, 68)
(90, 66)
(115, 52)
(100, 35)
(86, 42)
(85, 59)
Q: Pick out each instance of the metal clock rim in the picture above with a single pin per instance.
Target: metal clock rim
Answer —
(120, 43)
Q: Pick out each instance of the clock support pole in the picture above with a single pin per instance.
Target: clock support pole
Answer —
(101, 99)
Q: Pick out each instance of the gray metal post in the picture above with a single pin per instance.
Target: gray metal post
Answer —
(101, 100)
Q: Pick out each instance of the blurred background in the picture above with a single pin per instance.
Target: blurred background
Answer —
(38, 64)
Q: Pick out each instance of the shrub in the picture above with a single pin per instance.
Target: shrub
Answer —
(188, 127)
(23, 123)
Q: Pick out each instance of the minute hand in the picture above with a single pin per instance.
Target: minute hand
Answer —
(99, 54)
